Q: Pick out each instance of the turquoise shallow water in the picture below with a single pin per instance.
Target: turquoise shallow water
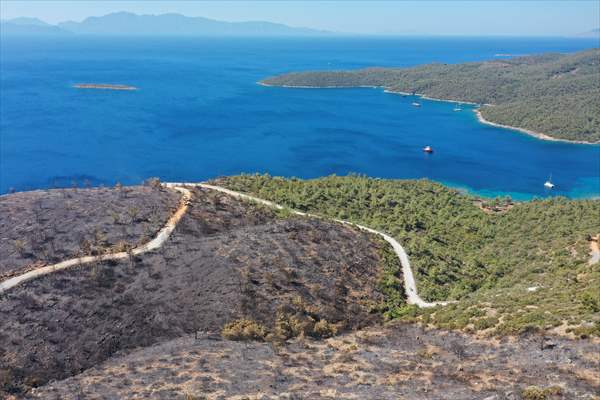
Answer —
(199, 114)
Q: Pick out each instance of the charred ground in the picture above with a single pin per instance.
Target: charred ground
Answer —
(309, 294)
(399, 361)
(226, 260)
(44, 227)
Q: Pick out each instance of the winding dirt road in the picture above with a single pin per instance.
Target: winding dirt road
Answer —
(594, 250)
(409, 279)
(165, 233)
(154, 244)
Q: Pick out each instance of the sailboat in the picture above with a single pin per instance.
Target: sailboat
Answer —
(548, 184)
(457, 108)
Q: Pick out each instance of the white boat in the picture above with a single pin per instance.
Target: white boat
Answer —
(457, 108)
(427, 149)
(548, 184)
(416, 104)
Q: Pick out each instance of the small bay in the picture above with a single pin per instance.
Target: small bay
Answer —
(198, 113)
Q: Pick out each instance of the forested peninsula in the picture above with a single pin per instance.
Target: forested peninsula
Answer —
(553, 96)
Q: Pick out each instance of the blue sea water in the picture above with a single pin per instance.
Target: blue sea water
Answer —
(199, 114)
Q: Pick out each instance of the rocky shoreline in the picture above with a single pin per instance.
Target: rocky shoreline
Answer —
(535, 134)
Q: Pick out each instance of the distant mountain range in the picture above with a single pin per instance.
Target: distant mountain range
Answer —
(124, 23)
(27, 21)
(29, 26)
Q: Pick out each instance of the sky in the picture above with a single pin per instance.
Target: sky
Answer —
(475, 17)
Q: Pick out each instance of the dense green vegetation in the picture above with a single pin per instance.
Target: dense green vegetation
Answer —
(522, 268)
(554, 94)
(390, 282)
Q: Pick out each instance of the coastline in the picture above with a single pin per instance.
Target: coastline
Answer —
(535, 134)
(480, 118)
(260, 83)
(425, 97)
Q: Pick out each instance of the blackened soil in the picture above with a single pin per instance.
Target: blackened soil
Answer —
(45, 227)
(226, 260)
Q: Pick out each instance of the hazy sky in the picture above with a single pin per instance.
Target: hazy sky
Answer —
(476, 17)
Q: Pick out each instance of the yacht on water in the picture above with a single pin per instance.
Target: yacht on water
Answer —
(416, 104)
(427, 149)
(548, 184)
(457, 108)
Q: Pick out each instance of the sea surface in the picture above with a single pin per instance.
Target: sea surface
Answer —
(199, 114)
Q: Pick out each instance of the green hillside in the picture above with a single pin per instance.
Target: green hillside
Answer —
(489, 261)
(554, 94)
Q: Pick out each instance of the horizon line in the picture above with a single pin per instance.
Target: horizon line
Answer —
(318, 31)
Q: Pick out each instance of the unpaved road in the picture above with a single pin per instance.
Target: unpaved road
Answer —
(165, 232)
(409, 279)
(154, 244)
(594, 250)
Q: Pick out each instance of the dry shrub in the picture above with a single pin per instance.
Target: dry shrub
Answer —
(283, 329)
(244, 329)
(426, 353)
(121, 246)
(536, 393)
(290, 275)
(134, 214)
(190, 396)
(154, 183)
(324, 329)
(301, 324)
(19, 246)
